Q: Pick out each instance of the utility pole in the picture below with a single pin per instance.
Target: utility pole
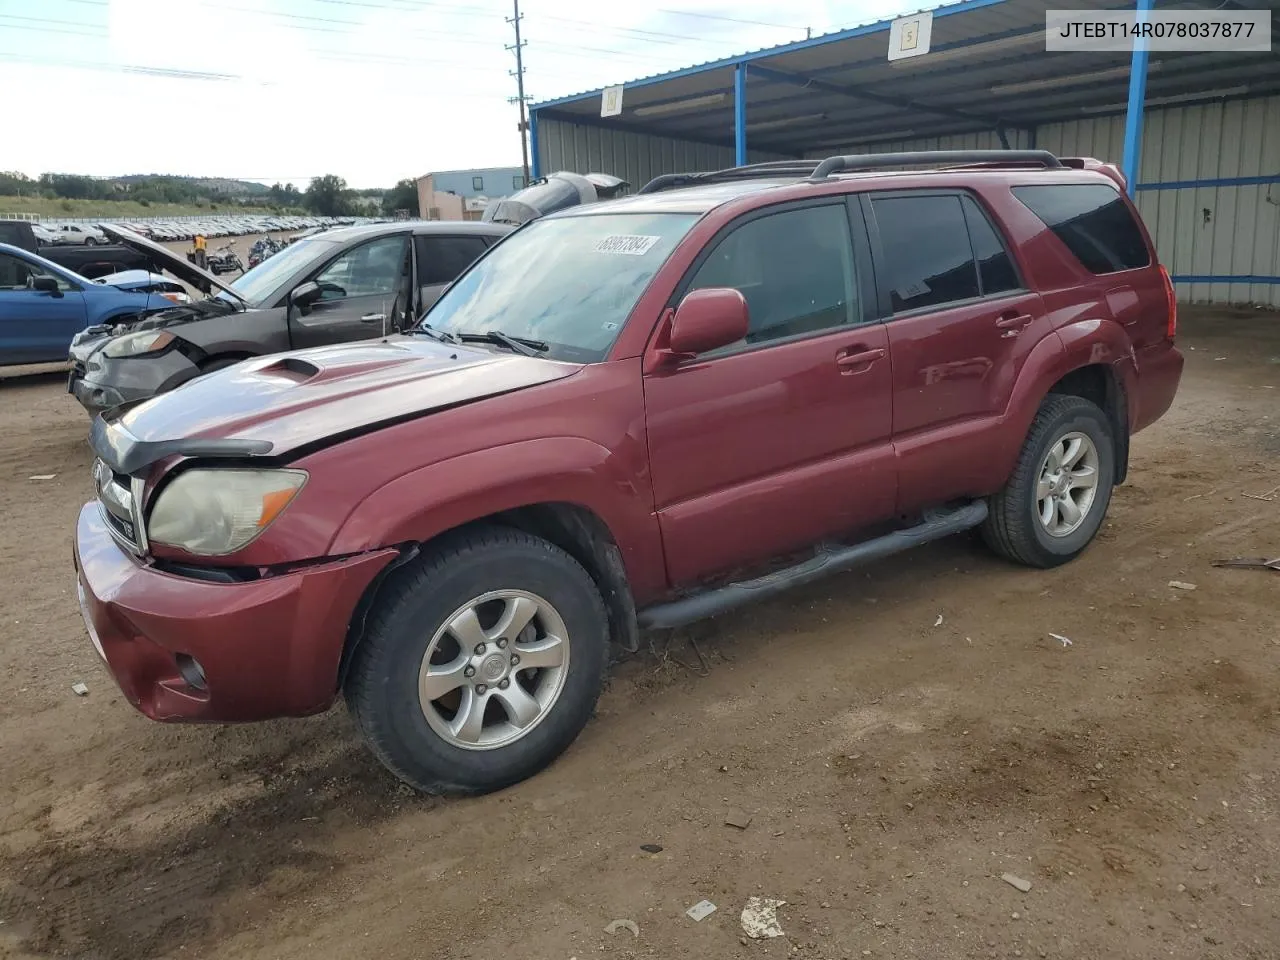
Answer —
(518, 73)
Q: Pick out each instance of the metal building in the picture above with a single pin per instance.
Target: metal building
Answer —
(1197, 134)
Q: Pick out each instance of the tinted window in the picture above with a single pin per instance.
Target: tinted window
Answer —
(995, 269)
(1093, 221)
(928, 260)
(795, 270)
(17, 274)
(441, 259)
(367, 270)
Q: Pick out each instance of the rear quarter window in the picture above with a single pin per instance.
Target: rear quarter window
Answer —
(1093, 221)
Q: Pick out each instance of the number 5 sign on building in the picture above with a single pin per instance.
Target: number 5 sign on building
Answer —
(611, 101)
(909, 36)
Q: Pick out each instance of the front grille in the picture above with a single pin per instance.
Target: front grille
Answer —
(119, 508)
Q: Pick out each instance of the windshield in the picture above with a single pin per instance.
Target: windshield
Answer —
(569, 282)
(264, 279)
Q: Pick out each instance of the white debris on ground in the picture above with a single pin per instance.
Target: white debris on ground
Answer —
(760, 918)
(617, 925)
(700, 910)
(1016, 882)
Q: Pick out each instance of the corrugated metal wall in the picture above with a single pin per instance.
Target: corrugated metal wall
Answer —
(1204, 226)
(986, 140)
(636, 158)
(1208, 229)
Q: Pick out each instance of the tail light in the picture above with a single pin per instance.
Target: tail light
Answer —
(1171, 304)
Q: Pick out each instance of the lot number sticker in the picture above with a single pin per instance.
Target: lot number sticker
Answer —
(627, 244)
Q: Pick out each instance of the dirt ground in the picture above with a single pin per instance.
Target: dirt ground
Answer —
(893, 770)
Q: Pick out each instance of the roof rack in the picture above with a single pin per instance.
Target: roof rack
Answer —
(773, 168)
(816, 171)
(993, 158)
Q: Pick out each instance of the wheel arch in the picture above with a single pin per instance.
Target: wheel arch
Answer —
(574, 528)
(1102, 386)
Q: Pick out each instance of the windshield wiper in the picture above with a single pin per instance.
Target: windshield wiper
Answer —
(444, 336)
(522, 345)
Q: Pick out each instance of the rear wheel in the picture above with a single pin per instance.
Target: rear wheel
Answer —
(482, 662)
(1056, 500)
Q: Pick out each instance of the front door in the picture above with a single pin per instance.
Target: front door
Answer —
(782, 439)
(365, 293)
(441, 259)
(36, 326)
(960, 327)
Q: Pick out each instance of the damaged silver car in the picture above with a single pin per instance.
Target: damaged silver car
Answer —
(348, 284)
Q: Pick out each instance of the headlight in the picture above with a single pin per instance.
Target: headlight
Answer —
(216, 512)
(136, 344)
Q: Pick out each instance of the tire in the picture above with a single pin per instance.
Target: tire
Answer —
(1015, 526)
(90, 242)
(408, 630)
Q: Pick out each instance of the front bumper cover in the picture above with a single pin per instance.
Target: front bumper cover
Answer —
(266, 648)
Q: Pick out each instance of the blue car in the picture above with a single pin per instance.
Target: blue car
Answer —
(43, 305)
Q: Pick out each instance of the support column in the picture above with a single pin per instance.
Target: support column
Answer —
(1137, 98)
(740, 115)
(535, 159)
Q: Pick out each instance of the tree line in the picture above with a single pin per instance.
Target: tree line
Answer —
(327, 196)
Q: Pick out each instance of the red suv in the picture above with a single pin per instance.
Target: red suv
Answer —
(628, 415)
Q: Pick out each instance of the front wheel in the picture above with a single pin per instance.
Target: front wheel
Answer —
(1056, 500)
(482, 662)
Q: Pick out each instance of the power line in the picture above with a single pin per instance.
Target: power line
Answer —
(716, 16)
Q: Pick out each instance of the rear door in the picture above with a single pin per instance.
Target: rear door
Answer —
(441, 258)
(36, 326)
(782, 439)
(961, 323)
(365, 293)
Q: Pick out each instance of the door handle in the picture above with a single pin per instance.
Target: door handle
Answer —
(373, 318)
(848, 360)
(1014, 322)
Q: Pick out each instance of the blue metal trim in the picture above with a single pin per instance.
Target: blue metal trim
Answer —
(1221, 182)
(878, 26)
(535, 161)
(740, 115)
(1219, 278)
(1137, 99)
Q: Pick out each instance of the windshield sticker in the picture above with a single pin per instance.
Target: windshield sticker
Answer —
(627, 244)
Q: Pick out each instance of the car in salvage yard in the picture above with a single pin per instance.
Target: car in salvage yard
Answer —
(628, 415)
(44, 306)
(347, 284)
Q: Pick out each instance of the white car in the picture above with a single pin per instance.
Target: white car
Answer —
(81, 233)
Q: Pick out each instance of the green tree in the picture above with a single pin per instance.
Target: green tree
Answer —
(329, 196)
(403, 196)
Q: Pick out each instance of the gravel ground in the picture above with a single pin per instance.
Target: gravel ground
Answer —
(893, 770)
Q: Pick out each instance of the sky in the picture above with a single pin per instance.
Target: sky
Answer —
(371, 90)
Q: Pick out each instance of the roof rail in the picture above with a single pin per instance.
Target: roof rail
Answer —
(872, 161)
(772, 168)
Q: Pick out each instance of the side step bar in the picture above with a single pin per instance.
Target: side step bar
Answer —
(829, 560)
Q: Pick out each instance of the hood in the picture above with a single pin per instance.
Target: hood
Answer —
(271, 406)
(180, 267)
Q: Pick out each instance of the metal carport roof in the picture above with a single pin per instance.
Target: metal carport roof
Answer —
(987, 69)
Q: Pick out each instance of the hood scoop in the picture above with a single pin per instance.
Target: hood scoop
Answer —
(294, 369)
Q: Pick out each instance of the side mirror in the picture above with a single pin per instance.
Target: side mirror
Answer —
(305, 294)
(46, 284)
(707, 319)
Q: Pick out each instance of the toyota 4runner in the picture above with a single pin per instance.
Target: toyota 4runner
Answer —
(606, 425)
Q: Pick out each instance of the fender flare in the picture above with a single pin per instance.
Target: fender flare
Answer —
(424, 503)
(1074, 346)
